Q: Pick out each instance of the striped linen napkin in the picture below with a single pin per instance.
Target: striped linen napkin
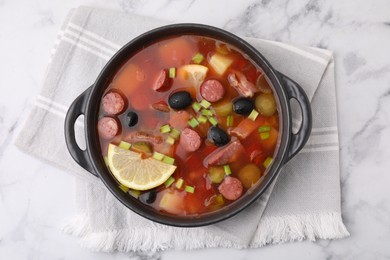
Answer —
(305, 199)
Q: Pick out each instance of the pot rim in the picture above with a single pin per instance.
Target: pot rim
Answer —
(91, 112)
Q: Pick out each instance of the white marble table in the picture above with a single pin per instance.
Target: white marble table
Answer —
(35, 198)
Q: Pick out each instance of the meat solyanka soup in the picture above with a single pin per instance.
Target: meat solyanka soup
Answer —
(188, 125)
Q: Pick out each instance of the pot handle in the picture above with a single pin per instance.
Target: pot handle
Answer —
(298, 140)
(76, 109)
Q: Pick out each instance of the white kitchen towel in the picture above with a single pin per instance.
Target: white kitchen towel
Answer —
(305, 199)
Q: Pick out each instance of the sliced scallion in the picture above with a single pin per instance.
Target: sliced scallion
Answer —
(264, 136)
(190, 189)
(168, 160)
(202, 119)
(165, 129)
(174, 133)
(158, 156)
(227, 169)
(134, 193)
(253, 115)
(193, 122)
(264, 128)
(123, 188)
(267, 162)
(207, 112)
(172, 72)
(170, 140)
(169, 182)
(198, 58)
(204, 103)
(179, 183)
(196, 106)
(124, 145)
(213, 121)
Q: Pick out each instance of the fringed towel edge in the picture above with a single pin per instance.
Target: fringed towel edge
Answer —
(311, 226)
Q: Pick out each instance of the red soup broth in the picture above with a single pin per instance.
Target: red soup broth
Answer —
(215, 169)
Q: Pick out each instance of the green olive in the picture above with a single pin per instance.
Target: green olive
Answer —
(249, 175)
(265, 104)
(223, 109)
(217, 174)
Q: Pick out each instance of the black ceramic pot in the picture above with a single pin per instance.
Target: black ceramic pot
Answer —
(87, 104)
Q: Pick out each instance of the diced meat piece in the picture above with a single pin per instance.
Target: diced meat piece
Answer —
(224, 155)
(141, 136)
(179, 119)
(212, 90)
(231, 188)
(113, 103)
(108, 127)
(162, 81)
(161, 106)
(246, 127)
(238, 80)
(190, 140)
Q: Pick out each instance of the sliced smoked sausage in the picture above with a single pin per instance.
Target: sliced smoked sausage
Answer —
(162, 80)
(231, 188)
(113, 103)
(212, 90)
(190, 140)
(108, 127)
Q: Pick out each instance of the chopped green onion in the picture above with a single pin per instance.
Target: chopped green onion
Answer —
(219, 199)
(134, 193)
(198, 58)
(170, 140)
(174, 133)
(169, 182)
(267, 162)
(172, 72)
(193, 122)
(190, 189)
(196, 106)
(202, 119)
(204, 103)
(207, 112)
(213, 121)
(158, 156)
(229, 121)
(227, 169)
(253, 115)
(165, 129)
(179, 183)
(124, 145)
(124, 188)
(264, 128)
(168, 160)
(105, 160)
(264, 136)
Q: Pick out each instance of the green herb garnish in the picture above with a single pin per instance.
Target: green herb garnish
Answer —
(190, 189)
(198, 58)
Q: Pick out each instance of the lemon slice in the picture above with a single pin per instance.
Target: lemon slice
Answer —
(194, 73)
(131, 170)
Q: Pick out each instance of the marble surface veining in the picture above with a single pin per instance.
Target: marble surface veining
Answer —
(35, 198)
